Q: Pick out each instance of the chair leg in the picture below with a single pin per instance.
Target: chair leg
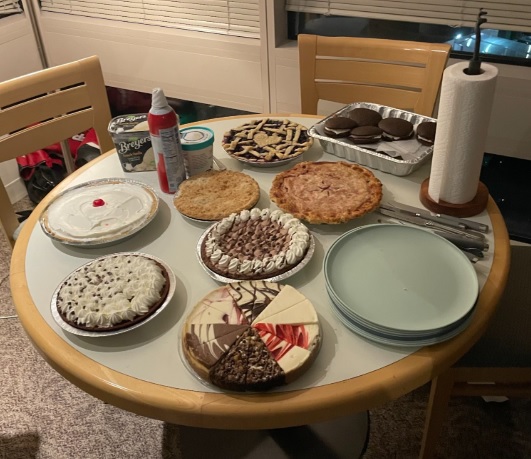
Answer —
(441, 389)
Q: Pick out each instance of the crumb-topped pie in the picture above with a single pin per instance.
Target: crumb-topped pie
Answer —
(264, 141)
(326, 192)
(214, 195)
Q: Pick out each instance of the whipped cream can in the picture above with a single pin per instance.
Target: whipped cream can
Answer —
(163, 125)
(198, 146)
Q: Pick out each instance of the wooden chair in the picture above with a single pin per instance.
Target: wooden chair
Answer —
(499, 363)
(47, 107)
(401, 74)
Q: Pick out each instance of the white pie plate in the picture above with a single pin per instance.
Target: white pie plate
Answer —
(99, 334)
(103, 240)
(278, 278)
(400, 278)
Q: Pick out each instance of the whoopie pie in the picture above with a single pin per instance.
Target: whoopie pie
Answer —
(365, 116)
(365, 134)
(426, 132)
(338, 126)
(396, 128)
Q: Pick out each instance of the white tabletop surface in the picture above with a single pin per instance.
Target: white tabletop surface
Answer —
(151, 352)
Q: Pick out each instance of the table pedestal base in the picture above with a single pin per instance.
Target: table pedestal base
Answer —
(340, 438)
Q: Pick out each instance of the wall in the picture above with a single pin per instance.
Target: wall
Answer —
(16, 40)
(201, 67)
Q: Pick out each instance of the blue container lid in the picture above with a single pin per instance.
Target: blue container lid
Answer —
(196, 138)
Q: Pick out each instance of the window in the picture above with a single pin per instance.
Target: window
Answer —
(228, 17)
(9, 7)
(505, 38)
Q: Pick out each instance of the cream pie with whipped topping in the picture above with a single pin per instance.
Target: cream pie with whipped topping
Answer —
(255, 244)
(112, 292)
(251, 336)
(99, 211)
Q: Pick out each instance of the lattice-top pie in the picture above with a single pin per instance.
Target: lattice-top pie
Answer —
(326, 192)
(267, 141)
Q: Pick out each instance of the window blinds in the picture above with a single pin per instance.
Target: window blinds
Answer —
(514, 15)
(9, 7)
(228, 17)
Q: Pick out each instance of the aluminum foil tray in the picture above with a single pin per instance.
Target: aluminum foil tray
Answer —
(410, 153)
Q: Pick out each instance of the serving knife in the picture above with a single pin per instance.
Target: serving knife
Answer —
(461, 239)
(448, 220)
(395, 213)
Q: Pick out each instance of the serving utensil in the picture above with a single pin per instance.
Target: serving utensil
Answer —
(419, 221)
(447, 220)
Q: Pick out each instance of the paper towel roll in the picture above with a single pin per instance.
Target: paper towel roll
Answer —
(462, 123)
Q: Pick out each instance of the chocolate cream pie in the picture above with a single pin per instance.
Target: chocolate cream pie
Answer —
(251, 336)
(255, 244)
(112, 292)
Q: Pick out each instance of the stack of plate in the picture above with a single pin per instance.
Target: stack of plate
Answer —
(400, 285)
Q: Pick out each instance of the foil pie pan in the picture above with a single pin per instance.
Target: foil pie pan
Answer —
(278, 278)
(106, 239)
(102, 333)
(368, 154)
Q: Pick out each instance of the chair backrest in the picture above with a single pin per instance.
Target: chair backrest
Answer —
(499, 364)
(47, 107)
(401, 74)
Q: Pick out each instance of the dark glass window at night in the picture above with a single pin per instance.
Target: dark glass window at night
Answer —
(498, 46)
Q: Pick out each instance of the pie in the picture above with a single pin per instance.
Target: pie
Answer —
(326, 192)
(251, 336)
(112, 292)
(255, 244)
(214, 195)
(100, 211)
(267, 141)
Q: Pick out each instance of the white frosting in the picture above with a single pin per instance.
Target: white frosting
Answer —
(111, 290)
(298, 244)
(75, 215)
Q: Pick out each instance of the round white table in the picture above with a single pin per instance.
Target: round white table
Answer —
(142, 370)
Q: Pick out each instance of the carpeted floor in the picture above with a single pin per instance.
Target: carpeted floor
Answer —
(44, 416)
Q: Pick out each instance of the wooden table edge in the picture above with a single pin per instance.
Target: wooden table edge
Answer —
(257, 411)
